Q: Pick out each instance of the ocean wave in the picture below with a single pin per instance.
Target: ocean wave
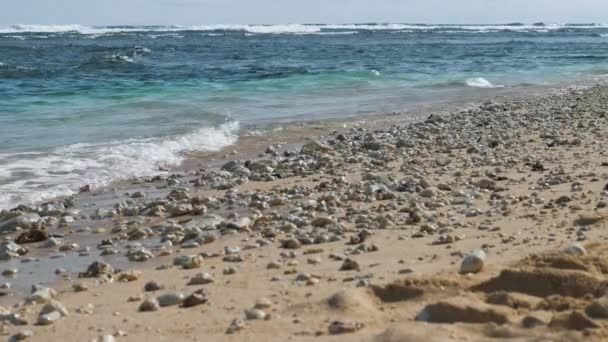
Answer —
(295, 28)
(42, 176)
(115, 57)
(480, 82)
(16, 71)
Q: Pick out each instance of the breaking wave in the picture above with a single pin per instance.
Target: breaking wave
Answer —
(37, 176)
(295, 28)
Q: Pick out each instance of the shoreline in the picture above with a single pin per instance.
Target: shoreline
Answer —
(265, 132)
(344, 214)
(253, 138)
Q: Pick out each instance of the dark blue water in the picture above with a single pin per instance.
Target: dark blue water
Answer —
(92, 104)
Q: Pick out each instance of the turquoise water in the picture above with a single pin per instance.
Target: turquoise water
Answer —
(87, 105)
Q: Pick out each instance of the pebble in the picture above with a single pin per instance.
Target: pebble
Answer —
(153, 285)
(263, 303)
(474, 262)
(341, 327)
(11, 272)
(197, 298)
(235, 326)
(230, 270)
(49, 318)
(149, 304)
(169, 299)
(253, 314)
(201, 279)
(52, 306)
(350, 265)
(576, 250)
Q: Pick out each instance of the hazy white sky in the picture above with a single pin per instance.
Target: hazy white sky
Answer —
(191, 12)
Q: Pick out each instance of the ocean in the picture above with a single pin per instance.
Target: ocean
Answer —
(89, 105)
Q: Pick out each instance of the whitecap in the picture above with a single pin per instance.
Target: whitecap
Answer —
(480, 82)
(375, 72)
(294, 28)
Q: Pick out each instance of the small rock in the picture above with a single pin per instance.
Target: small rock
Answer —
(197, 298)
(235, 325)
(42, 295)
(149, 304)
(350, 265)
(129, 276)
(263, 303)
(54, 305)
(576, 250)
(169, 299)
(98, 269)
(253, 314)
(49, 318)
(11, 272)
(153, 286)
(340, 327)
(201, 279)
(473, 263)
(193, 262)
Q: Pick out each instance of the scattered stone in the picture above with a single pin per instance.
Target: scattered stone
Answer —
(197, 298)
(235, 325)
(153, 285)
(201, 279)
(253, 314)
(54, 305)
(49, 318)
(341, 327)
(149, 304)
(263, 303)
(98, 269)
(170, 299)
(42, 295)
(350, 265)
(576, 250)
(473, 263)
(129, 276)
(32, 236)
(11, 272)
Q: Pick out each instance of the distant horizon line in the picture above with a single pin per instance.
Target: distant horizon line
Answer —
(505, 23)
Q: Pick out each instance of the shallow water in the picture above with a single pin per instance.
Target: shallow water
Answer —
(88, 105)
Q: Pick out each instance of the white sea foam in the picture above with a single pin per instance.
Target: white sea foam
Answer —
(290, 28)
(480, 82)
(64, 170)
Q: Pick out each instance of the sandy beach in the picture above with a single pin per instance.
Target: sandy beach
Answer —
(475, 224)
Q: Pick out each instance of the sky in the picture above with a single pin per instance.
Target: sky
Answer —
(201, 12)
